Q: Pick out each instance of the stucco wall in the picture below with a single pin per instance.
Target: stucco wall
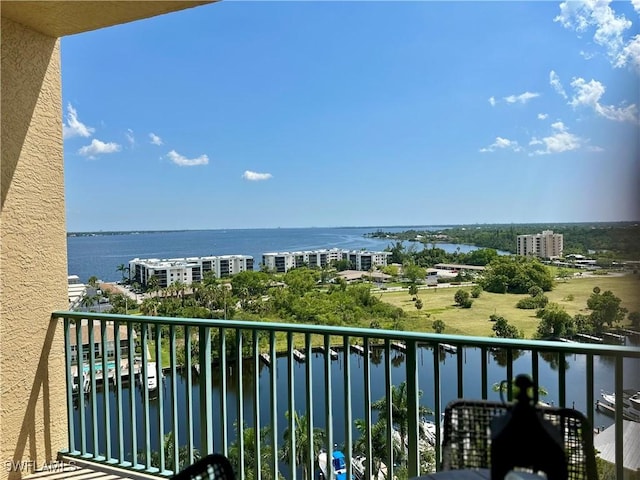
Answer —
(33, 256)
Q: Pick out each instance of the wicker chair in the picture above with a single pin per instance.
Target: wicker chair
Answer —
(212, 467)
(467, 437)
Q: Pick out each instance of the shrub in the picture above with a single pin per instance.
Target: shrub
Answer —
(476, 291)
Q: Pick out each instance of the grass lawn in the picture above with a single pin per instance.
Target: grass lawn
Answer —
(439, 304)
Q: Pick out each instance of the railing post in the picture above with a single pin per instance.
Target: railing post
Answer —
(413, 409)
(206, 409)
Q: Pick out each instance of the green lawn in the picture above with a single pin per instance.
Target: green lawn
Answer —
(439, 304)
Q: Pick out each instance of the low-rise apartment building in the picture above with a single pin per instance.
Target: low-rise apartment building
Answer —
(361, 260)
(544, 245)
(187, 270)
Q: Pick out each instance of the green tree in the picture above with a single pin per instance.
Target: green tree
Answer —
(555, 322)
(461, 297)
(413, 289)
(605, 309)
(301, 280)
(516, 275)
(503, 329)
(399, 409)
(122, 268)
(413, 273)
(251, 451)
(438, 326)
(419, 304)
(476, 291)
(93, 281)
(300, 458)
(634, 318)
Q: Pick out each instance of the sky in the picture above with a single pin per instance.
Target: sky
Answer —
(270, 114)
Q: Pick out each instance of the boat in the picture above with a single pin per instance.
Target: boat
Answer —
(338, 464)
(86, 384)
(359, 468)
(152, 376)
(630, 404)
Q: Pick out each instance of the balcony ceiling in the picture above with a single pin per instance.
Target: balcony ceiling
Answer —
(60, 18)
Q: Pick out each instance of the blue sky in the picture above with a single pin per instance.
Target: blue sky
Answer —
(298, 114)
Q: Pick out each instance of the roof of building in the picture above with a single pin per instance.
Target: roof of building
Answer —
(350, 275)
(97, 332)
(605, 444)
(458, 266)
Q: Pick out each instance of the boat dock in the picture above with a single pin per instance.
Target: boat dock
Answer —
(626, 413)
(589, 338)
(359, 349)
(399, 346)
(614, 338)
(449, 348)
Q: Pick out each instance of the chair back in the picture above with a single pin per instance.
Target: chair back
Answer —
(467, 434)
(212, 467)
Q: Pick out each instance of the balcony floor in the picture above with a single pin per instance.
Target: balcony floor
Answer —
(74, 469)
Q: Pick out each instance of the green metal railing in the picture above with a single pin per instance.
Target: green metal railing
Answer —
(126, 427)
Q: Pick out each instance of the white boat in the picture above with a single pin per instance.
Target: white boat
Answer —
(359, 468)
(338, 465)
(630, 404)
(152, 376)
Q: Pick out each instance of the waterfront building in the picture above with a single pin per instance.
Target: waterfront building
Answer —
(110, 351)
(187, 270)
(361, 260)
(544, 245)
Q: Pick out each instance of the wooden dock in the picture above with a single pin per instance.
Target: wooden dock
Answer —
(449, 348)
(589, 338)
(614, 338)
(359, 349)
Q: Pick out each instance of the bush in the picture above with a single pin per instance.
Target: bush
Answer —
(531, 303)
(460, 297)
(467, 303)
(476, 291)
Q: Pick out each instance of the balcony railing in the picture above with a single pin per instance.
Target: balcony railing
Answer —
(216, 378)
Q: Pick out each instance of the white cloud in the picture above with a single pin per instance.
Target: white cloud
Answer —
(97, 148)
(595, 148)
(636, 5)
(155, 139)
(631, 53)
(522, 98)
(492, 101)
(542, 116)
(609, 28)
(182, 161)
(502, 143)
(554, 81)
(560, 141)
(255, 176)
(130, 137)
(589, 93)
(74, 127)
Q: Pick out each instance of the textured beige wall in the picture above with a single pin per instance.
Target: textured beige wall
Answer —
(33, 255)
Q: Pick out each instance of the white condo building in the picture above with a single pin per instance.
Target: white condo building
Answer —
(362, 260)
(545, 245)
(187, 270)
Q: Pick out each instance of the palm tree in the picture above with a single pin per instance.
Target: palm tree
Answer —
(122, 268)
(183, 454)
(250, 450)
(301, 456)
(378, 443)
(399, 409)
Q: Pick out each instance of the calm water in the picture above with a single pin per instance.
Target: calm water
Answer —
(472, 389)
(100, 255)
